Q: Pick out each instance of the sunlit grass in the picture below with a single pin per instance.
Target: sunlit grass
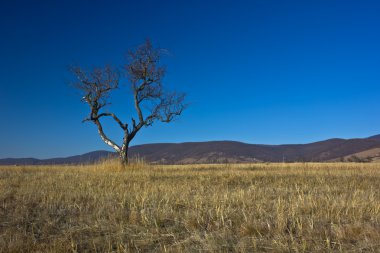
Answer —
(307, 207)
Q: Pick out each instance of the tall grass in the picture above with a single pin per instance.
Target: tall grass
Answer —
(191, 208)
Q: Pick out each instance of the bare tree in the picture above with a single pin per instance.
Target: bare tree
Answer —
(151, 102)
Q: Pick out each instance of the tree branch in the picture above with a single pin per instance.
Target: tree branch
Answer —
(105, 138)
(137, 107)
(123, 126)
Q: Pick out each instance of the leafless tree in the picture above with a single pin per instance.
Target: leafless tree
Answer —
(151, 102)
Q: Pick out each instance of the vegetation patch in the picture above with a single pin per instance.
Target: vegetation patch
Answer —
(190, 208)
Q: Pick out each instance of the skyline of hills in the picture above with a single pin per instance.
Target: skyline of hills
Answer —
(336, 149)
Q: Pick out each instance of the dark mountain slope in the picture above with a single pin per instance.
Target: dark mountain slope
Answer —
(375, 137)
(19, 161)
(225, 151)
(78, 159)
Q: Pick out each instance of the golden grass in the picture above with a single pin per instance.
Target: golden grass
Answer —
(191, 208)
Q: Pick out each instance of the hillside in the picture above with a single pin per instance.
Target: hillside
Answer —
(78, 159)
(229, 151)
(236, 152)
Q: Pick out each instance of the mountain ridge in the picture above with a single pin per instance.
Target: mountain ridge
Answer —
(335, 149)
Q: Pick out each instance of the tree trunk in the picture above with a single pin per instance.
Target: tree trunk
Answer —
(123, 155)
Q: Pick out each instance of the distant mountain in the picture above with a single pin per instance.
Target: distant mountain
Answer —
(19, 161)
(232, 152)
(375, 137)
(229, 151)
(78, 159)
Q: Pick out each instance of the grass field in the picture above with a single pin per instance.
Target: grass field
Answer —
(191, 208)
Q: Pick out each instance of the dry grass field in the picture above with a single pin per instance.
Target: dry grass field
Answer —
(194, 208)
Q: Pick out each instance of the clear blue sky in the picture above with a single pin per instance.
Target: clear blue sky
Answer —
(264, 71)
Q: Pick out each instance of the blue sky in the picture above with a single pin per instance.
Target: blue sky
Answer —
(268, 72)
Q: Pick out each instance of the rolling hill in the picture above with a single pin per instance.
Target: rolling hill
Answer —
(78, 159)
(230, 151)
